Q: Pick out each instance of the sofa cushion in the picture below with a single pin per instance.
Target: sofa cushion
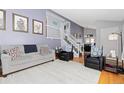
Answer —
(30, 48)
(28, 58)
(24, 59)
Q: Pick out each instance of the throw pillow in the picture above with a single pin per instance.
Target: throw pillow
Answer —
(68, 48)
(30, 48)
(96, 52)
(44, 50)
(13, 52)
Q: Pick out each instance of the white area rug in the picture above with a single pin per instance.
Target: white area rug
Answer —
(60, 72)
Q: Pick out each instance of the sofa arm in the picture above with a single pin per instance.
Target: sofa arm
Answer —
(53, 53)
(5, 61)
(5, 57)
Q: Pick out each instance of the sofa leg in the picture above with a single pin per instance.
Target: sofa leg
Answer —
(4, 76)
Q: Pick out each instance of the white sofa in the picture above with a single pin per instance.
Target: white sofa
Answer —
(25, 60)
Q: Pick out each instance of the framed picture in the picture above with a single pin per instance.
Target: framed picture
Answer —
(20, 23)
(37, 27)
(2, 20)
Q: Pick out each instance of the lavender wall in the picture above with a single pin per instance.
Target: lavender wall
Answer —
(10, 37)
(76, 29)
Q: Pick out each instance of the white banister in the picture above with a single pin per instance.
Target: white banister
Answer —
(73, 41)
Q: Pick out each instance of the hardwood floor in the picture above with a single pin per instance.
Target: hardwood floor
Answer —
(79, 59)
(105, 77)
(111, 78)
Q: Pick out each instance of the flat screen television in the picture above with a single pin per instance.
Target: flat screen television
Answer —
(87, 47)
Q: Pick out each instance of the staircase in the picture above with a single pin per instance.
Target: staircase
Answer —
(59, 28)
(68, 39)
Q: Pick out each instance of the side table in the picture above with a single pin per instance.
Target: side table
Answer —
(111, 64)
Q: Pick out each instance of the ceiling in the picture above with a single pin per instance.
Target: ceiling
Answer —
(89, 17)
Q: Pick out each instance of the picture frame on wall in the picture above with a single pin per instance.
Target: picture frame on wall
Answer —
(37, 27)
(2, 19)
(20, 23)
